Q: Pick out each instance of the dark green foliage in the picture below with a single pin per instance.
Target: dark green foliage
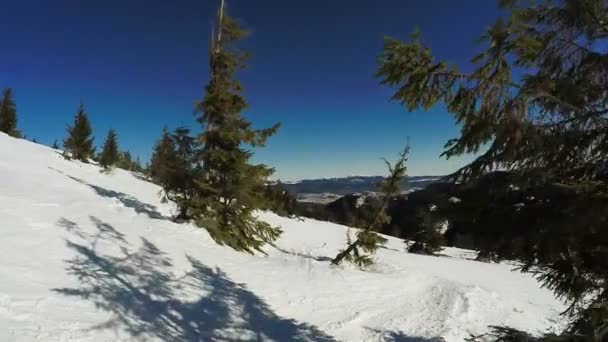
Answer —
(126, 162)
(230, 189)
(162, 157)
(8, 114)
(55, 145)
(185, 170)
(279, 200)
(547, 128)
(360, 251)
(174, 167)
(355, 210)
(110, 155)
(79, 143)
(427, 239)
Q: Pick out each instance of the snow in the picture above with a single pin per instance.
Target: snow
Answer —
(454, 200)
(87, 256)
(320, 198)
(420, 180)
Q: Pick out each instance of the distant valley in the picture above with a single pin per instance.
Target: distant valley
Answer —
(329, 189)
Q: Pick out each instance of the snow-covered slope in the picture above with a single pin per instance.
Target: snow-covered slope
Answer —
(86, 256)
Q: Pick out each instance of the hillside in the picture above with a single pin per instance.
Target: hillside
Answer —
(93, 257)
(354, 184)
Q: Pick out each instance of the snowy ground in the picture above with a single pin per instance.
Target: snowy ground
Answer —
(86, 256)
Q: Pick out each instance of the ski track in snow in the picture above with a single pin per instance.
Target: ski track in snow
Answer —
(87, 256)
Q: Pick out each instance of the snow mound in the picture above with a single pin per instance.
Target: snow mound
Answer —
(88, 256)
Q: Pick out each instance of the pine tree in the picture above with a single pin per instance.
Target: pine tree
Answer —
(137, 165)
(162, 158)
(110, 155)
(279, 200)
(547, 128)
(230, 189)
(80, 141)
(174, 167)
(8, 114)
(186, 169)
(55, 145)
(368, 241)
(427, 239)
(125, 161)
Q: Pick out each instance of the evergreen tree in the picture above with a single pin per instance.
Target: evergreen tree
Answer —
(55, 145)
(8, 114)
(230, 188)
(279, 200)
(137, 165)
(427, 239)
(162, 158)
(80, 140)
(125, 161)
(368, 241)
(547, 128)
(110, 155)
(174, 167)
(184, 172)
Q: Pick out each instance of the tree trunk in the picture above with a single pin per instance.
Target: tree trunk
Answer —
(338, 259)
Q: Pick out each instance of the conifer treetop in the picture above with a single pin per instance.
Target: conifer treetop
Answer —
(8, 114)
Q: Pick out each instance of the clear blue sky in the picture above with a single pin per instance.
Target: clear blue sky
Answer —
(141, 64)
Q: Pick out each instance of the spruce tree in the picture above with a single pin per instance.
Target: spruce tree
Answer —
(361, 250)
(80, 140)
(162, 158)
(137, 165)
(427, 238)
(125, 161)
(174, 167)
(8, 114)
(279, 200)
(547, 128)
(110, 154)
(230, 188)
(185, 171)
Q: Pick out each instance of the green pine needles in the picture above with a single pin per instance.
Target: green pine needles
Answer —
(79, 143)
(8, 114)
(229, 188)
(546, 128)
(174, 167)
(361, 251)
(110, 154)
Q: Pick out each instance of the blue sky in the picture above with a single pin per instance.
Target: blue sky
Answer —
(141, 64)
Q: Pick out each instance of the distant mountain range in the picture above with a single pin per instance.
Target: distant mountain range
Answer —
(353, 184)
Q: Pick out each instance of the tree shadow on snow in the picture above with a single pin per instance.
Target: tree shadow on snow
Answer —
(103, 231)
(125, 199)
(399, 336)
(147, 300)
(304, 255)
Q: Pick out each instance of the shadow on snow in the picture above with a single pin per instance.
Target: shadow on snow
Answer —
(399, 336)
(147, 300)
(125, 199)
(304, 255)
